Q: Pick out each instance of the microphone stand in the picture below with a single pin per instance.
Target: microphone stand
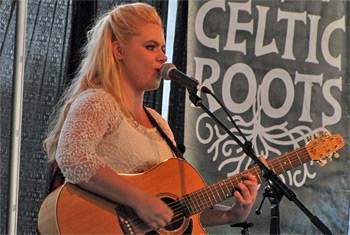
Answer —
(267, 173)
(275, 199)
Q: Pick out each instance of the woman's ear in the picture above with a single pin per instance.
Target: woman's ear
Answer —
(117, 50)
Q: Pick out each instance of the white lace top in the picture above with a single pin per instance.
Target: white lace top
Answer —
(97, 133)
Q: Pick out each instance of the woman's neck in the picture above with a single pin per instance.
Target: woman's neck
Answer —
(134, 103)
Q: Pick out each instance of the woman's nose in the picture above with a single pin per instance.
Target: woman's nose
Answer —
(162, 57)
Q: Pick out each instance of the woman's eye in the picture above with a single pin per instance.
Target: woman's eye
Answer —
(150, 47)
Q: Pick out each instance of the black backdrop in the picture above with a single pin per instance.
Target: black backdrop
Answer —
(55, 33)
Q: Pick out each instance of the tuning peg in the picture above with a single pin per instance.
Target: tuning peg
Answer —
(329, 159)
(326, 133)
(317, 135)
(322, 164)
(308, 138)
(336, 155)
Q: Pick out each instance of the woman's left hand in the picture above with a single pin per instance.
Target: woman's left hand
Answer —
(245, 194)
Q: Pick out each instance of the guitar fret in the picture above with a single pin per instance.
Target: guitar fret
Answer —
(281, 164)
(237, 181)
(293, 159)
(257, 173)
(279, 167)
(298, 157)
(306, 155)
(270, 164)
(215, 193)
(229, 192)
(218, 193)
(197, 202)
(220, 184)
(194, 202)
(188, 205)
(228, 186)
(285, 164)
(252, 171)
(232, 185)
(212, 198)
(199, 196)
(202, 204)
(208, 196)
(289, 161)
(211, 187)
(205, 198)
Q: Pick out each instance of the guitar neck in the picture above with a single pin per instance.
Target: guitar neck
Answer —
(209, 196)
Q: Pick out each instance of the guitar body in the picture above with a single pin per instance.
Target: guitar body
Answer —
(72, 210)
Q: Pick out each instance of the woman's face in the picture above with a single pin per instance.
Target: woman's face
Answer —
(142, 57)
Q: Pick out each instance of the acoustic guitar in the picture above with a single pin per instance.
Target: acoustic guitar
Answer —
(72, 210)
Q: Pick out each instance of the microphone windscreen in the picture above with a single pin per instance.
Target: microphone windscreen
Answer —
(165, 69)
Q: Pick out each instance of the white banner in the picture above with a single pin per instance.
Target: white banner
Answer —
(282, 70)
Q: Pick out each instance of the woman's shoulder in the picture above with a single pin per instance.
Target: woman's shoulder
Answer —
(95, 100)
(99, 105)
(95, 96)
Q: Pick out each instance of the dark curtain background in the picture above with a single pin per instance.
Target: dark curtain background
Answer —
(48, 28)
(56, 31)
(177, 93)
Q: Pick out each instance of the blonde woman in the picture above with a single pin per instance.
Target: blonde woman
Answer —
(103, 129)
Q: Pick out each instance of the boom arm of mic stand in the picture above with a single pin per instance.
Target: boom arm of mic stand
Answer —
(266, 172)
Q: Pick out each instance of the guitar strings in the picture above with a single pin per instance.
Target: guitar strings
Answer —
(178, 216)
(180, 206)
(141, 225)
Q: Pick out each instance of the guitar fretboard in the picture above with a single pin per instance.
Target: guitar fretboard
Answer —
(209, 196)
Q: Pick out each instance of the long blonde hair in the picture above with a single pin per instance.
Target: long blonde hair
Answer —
(99, 69)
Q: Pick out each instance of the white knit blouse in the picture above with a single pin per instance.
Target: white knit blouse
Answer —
(97, 133)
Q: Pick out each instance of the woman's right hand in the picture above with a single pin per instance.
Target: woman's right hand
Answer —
(152, 210)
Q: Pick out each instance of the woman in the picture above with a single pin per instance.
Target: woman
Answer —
(103, 129)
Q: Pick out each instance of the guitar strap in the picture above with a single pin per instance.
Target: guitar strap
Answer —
(174, 148)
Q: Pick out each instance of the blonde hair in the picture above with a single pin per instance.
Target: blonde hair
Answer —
(99, 69)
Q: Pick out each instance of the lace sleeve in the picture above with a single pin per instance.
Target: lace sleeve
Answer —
(86, 123)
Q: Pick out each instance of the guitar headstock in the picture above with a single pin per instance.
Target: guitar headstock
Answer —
(322, 147)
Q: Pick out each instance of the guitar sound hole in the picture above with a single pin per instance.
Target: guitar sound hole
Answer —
(176, 223)
(180, 223)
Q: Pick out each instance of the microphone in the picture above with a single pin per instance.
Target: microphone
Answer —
(169, 72)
